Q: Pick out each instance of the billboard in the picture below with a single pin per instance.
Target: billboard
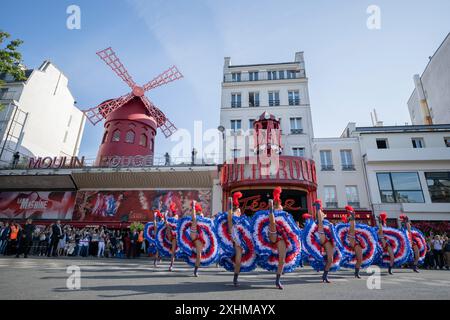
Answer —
(135, 205)
(52, 205)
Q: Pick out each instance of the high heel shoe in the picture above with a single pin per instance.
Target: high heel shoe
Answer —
(278, 282)
(415, 268)
(357, 273)
(390, 270)
(325, 277)
(235, 280)
(196, 271)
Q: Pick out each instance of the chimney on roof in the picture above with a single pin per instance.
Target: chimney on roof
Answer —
(425, 110)
(375, 121)
(226, 62)
(299, 57)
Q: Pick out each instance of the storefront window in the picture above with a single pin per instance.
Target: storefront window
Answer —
(438, 186)
(400, 187)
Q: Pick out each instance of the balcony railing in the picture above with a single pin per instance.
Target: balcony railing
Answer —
(236, 104)
(327, 167)
(274, 102)
(296, 131)
(354, 204)
(331, 204)
(254, 104)
(263, 76)
(294, 102)
(348, 167)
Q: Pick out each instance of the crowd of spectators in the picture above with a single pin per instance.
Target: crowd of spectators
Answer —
(438, 253)
(58, 240)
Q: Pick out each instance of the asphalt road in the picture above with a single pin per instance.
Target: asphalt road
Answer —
(46, 278)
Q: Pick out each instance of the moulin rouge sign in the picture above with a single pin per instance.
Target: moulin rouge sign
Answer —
(289, 169)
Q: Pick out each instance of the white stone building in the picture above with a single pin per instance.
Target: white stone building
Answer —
(406, 169)
(430, 101)
(278, 88)
(39, 116)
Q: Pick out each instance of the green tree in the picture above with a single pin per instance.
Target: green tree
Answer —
(10, 59)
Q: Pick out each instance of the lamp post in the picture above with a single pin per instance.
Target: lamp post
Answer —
(222, 130)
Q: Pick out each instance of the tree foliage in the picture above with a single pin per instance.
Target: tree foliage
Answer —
(10, 58)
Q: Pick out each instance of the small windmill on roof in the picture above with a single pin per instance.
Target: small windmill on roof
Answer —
(131, 119)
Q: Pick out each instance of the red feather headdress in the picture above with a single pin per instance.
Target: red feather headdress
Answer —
(173, 207)
(198, 207)
(403, 217)
(276, 195)
(383, 217)
(306, 216)
(158, 213)
(349, 209)
(344, 218)
(236, 197)
(318, 201)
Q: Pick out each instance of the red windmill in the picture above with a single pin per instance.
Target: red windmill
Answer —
(132, 119)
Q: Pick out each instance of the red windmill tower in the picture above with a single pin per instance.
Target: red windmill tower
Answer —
(131, 119)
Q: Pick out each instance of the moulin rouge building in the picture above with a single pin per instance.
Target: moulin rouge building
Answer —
(267, 132)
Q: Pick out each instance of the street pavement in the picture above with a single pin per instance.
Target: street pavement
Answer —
(46, 278)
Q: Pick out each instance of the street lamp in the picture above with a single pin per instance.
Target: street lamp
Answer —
(222, 130)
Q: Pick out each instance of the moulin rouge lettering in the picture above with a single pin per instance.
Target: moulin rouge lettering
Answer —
(254, 204)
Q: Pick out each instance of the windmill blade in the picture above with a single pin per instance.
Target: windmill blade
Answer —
(166, 126)
(109, 56)
(167, 76)
(98, 113)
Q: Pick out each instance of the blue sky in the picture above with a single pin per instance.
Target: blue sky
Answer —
(351, 69)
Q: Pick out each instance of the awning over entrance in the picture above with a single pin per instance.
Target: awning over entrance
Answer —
(37, 182)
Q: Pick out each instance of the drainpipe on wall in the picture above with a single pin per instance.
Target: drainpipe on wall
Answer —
(422, 100)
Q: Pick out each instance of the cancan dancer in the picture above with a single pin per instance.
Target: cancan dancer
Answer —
(157, 218)
(171, 233)
(325, 241)
(194, 233)
(354, 240)
(275, 235)
(416, 240)
(385, 244)
(235, 211)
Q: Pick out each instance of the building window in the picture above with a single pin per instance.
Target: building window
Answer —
(253, 76)
(330, 197)
(274, 98)
(326, 160)
(116, 136)
(438, 186)
(235, 125)
(296, 126)
(400, 187)
(253, 99)
(281, 74)
(236, 77)
(418, 143)
(292, 74)
(129, 137)
(271, 75)
(352, 195)
(447, 142)
(382, 143)
(298, 152)
(347, 160)
(235, 153)
(294, 97)
(143, 140)
(105, 135)
(3, 92)
(250, 123)
(236, 100)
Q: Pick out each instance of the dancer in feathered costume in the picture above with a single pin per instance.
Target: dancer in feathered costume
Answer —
(383, 241)
(158, 221)
(196, 239)
(235, 239)
(417, 242)
(321, 243)
(277, 239)
(359, 242)
(166, 237)
(150, 231)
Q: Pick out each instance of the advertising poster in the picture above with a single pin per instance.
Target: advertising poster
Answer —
(135, 205)
(46, 205)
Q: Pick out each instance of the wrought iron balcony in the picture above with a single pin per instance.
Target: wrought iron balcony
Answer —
(348, 167)
(331, 204)
(262, 76)
(327, 167)
(296, 131)
(294, 102)
(274, 102)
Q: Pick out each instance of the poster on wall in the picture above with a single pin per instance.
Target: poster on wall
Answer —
(46, 205)
(135, 205)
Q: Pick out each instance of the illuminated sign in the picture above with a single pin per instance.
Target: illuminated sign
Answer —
(55, 162)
